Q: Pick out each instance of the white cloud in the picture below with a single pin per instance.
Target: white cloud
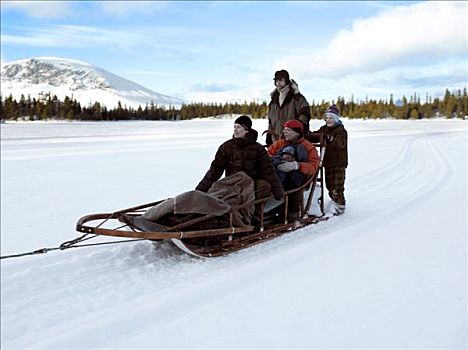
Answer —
(398, 81)
(152, 72)
(60, 9)
(124, 9)
(39, 9)
(162, 40)
(73, 36)
(423, 32)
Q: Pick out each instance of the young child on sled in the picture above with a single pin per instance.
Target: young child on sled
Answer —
(288, 154)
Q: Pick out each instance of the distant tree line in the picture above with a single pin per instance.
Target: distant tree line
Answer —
(454, 104)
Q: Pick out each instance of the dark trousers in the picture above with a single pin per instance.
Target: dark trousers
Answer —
(294, 179)
(334, 180)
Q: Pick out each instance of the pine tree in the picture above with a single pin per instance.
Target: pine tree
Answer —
(45, 112)
(96, 111)
(30, 108)
(11, 108)
(464, 103)
(120, 111)
(414, 114)
(2, 110)
(70, 115)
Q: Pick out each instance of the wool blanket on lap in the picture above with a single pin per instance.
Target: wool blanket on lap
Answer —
(232, 190)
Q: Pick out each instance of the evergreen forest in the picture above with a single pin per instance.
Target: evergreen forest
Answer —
(453, 104)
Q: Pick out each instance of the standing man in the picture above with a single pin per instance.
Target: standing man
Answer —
(287, 103)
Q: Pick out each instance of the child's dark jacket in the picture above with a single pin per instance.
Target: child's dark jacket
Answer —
(336, 154)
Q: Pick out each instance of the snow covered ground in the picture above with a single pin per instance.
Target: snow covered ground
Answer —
(390, 273)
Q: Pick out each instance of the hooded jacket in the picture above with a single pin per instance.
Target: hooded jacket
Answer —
(294, 106)
(243, 154)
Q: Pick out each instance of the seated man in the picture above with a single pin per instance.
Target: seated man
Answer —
(297, 172)
(243, 153)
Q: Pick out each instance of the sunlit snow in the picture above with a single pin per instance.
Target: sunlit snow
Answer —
(390, 273)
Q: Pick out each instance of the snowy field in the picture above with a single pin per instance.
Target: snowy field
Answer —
(390, 273)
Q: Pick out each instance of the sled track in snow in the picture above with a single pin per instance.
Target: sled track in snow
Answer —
(82, 149)
(104, 281)
(420, 169)
(128, 279)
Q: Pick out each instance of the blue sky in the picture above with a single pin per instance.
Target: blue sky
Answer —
(220, 51)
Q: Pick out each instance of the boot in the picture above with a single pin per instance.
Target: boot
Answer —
(336, 209)
(339, 209)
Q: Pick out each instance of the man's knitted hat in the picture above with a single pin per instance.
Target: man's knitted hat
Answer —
(245, 121)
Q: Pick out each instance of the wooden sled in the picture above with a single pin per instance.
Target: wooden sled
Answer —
(209, 235)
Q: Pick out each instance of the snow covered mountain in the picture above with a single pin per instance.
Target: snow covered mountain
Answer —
(85, 82)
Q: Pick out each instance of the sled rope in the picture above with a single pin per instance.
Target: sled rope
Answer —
(68, 245)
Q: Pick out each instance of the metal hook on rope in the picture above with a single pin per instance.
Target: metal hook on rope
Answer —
(68, 244)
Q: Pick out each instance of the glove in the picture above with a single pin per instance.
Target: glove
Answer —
(288, 166)
(329, 138)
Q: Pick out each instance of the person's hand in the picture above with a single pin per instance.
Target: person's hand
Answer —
(288, 166)
(329, 138)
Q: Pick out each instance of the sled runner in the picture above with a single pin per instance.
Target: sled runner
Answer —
(209, 235)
